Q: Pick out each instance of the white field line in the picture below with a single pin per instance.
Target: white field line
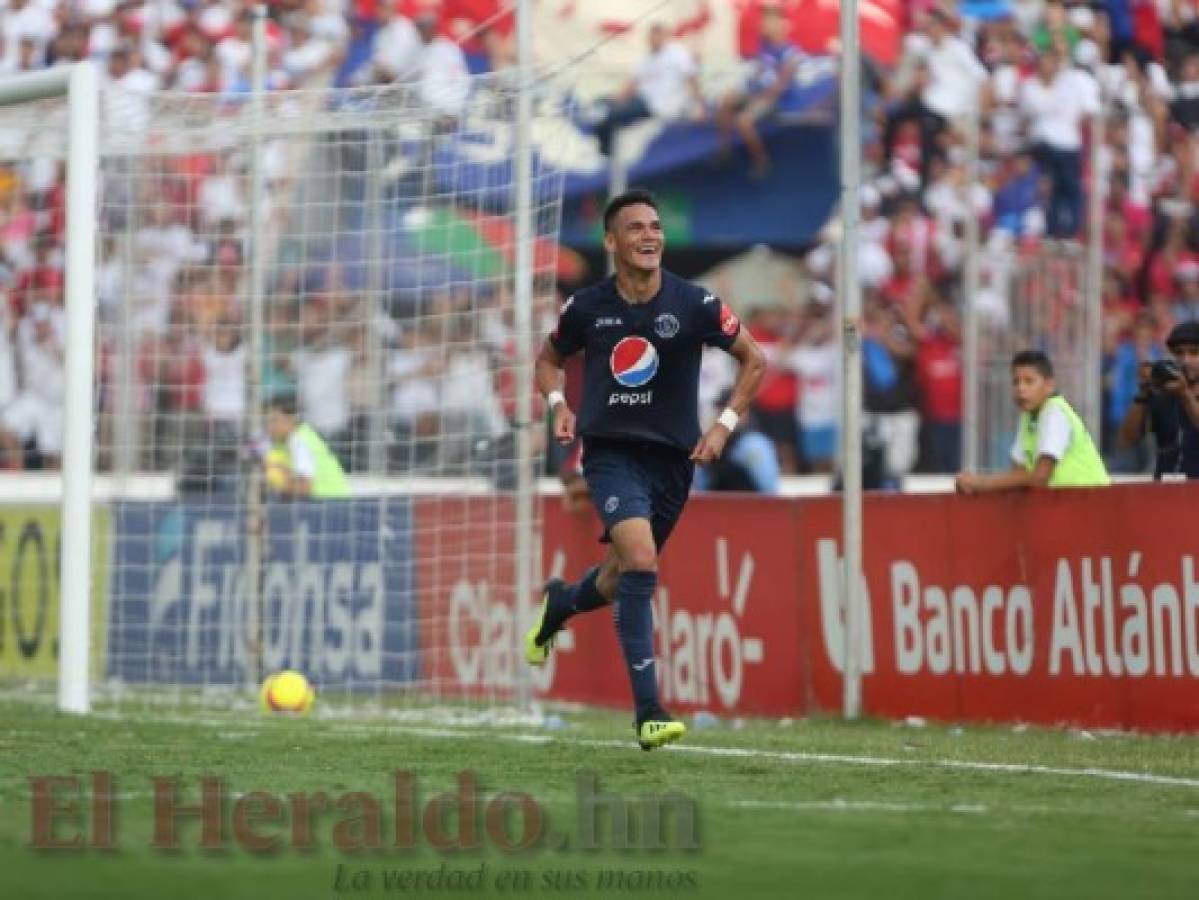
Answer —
(793, 756)
(853, 760)
(840, 804)
(844, 805)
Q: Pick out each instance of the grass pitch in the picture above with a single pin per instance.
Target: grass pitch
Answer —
(806, 809)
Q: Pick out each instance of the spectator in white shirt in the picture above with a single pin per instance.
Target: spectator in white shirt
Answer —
(23, 21)
(816, 361)
(127, 91)
(414, 374)
(322, 367)
(215, 17)
(955, 74)
(470, 410)
(444, 76)
(225, 377)
(36, 413)
(665, 86)
(235, 50)
(948, 85)
(28, 58)
(1056, 103)
(952, 199)
(308, 53)
(396, 48)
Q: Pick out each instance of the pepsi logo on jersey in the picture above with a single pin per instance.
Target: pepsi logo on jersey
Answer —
(634, 362)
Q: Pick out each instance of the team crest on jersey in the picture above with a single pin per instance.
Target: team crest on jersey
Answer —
(634, 361)
(666, 326)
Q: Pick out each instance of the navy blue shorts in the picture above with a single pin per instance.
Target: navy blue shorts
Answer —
(637, 480)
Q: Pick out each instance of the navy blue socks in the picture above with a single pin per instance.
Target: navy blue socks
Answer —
(634, 616)
(564, 602)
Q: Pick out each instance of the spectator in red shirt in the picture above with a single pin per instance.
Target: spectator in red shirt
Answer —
(1137, 218)
(44, 281)
(1121, 249)
(182, 367)
(939, 376)
(906, 285)
(1172, 257)
(914, 234)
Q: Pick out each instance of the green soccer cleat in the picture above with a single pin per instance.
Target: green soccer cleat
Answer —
(536, 654)
(655, 733)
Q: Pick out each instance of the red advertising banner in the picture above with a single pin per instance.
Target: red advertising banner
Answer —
(1076, 607)
(463, 553)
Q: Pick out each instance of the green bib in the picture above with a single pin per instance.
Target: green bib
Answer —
(328, 481)
(1082, 466)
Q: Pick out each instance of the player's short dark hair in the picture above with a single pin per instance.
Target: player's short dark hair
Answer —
(284, 403)
(1033, 359)
(629, 198)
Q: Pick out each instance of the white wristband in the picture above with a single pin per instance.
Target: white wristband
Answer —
(553, 398)
(729, 418)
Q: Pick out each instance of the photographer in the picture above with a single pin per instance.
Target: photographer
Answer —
(1167, 405)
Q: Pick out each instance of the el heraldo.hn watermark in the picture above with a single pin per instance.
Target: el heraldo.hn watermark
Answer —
(79, 814)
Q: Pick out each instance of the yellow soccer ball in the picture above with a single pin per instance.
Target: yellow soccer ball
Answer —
(287, 692)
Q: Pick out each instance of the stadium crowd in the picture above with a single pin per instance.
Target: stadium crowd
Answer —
(1039, 70)
(171, 266)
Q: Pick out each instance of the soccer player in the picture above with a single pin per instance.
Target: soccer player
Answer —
(1052, 447)
(642, 331)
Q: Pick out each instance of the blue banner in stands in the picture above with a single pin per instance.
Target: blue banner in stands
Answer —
(708, 204)
(787, 207)
(673, 146)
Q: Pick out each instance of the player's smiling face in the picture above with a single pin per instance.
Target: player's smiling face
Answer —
(636, 239)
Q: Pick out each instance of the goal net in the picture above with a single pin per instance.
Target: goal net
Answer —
(349, 256)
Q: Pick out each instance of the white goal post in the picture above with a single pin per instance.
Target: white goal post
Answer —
(78, 83)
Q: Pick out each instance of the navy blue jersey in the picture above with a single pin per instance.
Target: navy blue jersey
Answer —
(641, 360)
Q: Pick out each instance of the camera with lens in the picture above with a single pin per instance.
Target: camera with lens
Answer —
(1164, 371)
